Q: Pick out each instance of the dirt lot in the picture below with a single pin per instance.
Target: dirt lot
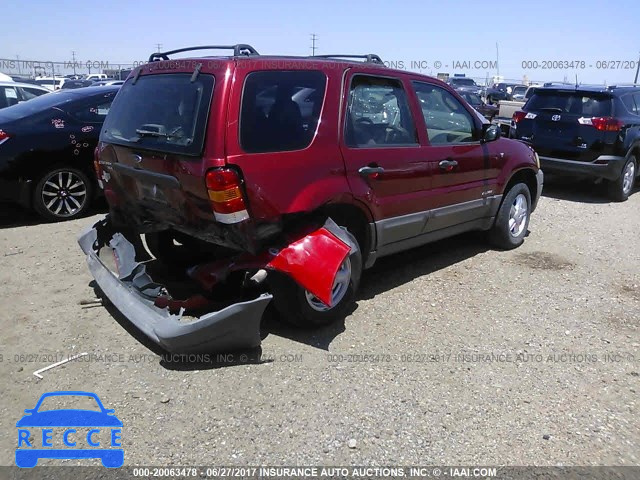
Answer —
(474, 356)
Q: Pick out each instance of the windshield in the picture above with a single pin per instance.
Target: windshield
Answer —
(36, 105)
(164, 112)
(578, 103)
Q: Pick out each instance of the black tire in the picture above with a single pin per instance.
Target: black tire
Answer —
(64, 186)
(503, 234)
(291, 302)
(621, 188)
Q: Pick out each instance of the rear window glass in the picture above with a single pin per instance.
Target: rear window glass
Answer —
(164, 112)
(578, 103)
(280, 110)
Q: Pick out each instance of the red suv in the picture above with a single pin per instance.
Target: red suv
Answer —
(256, 178)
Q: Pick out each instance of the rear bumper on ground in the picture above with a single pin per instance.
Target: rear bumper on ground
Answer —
(608, 167)
(132, 293)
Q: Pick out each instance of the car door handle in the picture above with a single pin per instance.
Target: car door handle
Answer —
(447, 165)
(368, 171)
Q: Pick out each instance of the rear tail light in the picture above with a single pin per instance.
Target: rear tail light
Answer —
(603, 124)
(225, 194)
(517, 116)
(4, 136)
(97, 167)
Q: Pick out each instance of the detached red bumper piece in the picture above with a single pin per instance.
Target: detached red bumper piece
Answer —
(313, 262)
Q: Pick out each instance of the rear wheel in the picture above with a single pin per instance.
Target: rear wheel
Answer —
(299, 307)
(620, 189)
(512, 220)
(62, 193)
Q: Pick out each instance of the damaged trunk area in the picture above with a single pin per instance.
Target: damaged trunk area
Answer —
(194, 298)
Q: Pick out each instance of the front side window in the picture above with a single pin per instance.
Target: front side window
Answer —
(280, 110)
(29, 93)
(446, 118)
(378, 114)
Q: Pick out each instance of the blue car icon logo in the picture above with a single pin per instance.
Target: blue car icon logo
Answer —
(69, 433)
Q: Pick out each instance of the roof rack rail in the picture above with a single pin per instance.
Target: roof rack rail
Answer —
(238, 50)
(551, 84)
(370, 58)
(628, 85)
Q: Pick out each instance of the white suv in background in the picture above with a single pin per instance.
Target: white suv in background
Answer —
(52, 83)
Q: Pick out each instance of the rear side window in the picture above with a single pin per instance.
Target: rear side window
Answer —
(378, 114)
(280, 110)
(93, 113)
(164, 112)
(630, 103)
(578, 103)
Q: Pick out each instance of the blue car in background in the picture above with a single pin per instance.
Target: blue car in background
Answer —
(37, 438)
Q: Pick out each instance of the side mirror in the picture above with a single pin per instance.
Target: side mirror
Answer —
(490, 133)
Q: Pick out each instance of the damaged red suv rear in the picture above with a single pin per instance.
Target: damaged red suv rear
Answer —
(241, 180)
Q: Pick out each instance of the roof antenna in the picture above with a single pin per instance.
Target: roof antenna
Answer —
(576, 80)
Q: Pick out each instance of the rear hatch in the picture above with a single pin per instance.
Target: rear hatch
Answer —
(567, 124)
(157, 162)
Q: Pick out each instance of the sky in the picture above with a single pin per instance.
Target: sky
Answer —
(601, 39)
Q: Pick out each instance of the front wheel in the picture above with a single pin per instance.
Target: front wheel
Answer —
(620, 189)
(301, 308)
(512, 220)
(62, 193)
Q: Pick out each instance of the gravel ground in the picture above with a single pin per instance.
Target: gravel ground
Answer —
(474, 356)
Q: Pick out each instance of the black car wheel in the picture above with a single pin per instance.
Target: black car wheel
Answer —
(62, 194)
(299, 307)
(621, 188)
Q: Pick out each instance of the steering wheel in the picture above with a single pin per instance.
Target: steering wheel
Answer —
(396, 134)
(364, 120)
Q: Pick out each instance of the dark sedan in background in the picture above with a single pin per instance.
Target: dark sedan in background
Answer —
(489, 111)
(502, 91)
(46, 150)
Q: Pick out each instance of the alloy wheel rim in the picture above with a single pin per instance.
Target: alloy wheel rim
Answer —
(518, 215)
(64, 194)
(338, 290)
(627, 178)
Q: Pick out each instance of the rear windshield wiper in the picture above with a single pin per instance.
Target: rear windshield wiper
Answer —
(150, 133)
(551, 109)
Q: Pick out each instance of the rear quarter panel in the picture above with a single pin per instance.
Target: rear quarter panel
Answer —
(280, 183)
